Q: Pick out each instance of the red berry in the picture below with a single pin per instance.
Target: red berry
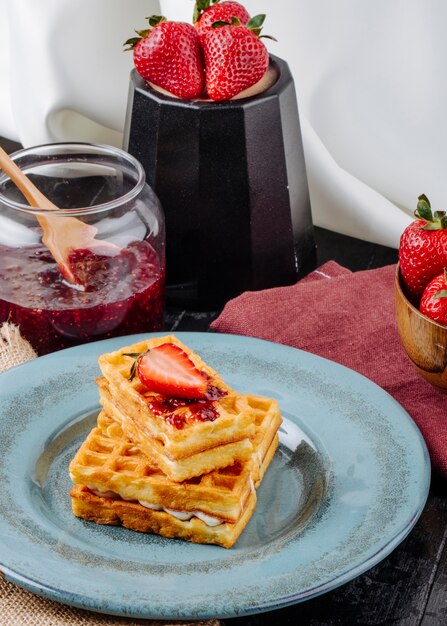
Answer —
(423, 249)
(235, 59)
(168, 370)
(434, 299)
(223, 11)
(169, 55)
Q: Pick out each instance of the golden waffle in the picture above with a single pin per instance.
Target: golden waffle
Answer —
(176, 469)
(234, 422)
(109, 463)
(267, 422)
(132, 515)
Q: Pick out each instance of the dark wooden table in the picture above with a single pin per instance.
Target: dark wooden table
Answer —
(409, 588)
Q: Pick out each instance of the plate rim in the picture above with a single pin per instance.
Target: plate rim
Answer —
(114, 607)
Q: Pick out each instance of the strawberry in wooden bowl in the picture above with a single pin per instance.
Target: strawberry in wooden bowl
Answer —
(421, 293)
(434, 299)
(423, 249)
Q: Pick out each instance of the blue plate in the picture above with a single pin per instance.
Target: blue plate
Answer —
(347, 484)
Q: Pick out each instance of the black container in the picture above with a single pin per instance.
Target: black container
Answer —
(232, 181)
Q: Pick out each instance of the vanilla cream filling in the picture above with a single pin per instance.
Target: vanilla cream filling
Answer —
(209, 520)
(183, 516)
(149, 505)
(252, 485)
(98, 491)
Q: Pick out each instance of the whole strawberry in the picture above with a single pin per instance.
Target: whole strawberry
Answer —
(423, 248)
(169, 55)
(205, 14)
(434, 299)
(235, 57)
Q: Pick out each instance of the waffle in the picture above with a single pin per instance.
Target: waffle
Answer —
(110, 464)
(103, 510)
(267, 422)
(234, 422)
(176, 469)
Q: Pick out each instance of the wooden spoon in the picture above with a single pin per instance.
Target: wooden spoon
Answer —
(62, 234)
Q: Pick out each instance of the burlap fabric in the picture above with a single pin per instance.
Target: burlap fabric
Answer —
(14, 350)
(19, 607)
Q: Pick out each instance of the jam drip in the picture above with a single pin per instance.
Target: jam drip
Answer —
(197, 410)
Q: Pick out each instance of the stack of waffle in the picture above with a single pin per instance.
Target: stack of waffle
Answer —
(178, 469)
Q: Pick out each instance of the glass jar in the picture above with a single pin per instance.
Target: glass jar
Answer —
(121, 271)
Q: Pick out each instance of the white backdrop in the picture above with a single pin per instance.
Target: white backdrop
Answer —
(370, 79)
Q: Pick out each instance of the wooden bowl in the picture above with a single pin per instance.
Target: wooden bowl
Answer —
(424, 340)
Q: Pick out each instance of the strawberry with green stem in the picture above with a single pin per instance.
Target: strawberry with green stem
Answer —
(206, 12)
(168, 54)
(423, 248)
(235, 57)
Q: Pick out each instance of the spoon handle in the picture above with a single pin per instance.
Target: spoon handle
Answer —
(32, 194)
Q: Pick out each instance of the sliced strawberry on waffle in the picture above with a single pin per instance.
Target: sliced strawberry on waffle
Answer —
(168, 370)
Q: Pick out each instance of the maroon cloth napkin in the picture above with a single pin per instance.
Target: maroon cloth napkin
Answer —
(349, 318)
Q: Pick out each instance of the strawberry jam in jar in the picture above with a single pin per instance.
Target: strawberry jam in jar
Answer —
(92, 268)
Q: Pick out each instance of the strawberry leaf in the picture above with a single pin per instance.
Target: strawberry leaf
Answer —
(424, 198)
(235, 21)
(156, 19)
(133, 370)
(256, 22)
(423, 210)
(431, 225)
(137, 356)
(267, 37)
(199, 7)
(220, 23)
(255, 25)
(433, 221)
(131, 43)
(143, 33)
(442, 293)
